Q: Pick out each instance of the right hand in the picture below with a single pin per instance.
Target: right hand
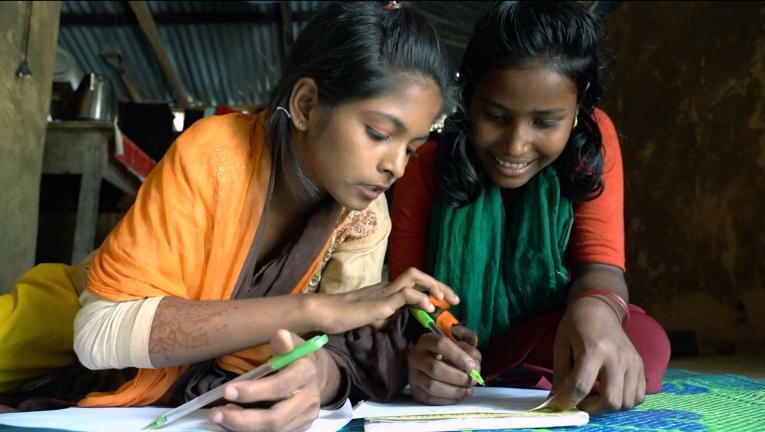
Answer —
(439, 367)
(296, 389)
(373, 305)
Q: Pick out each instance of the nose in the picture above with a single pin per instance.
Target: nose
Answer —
(517, 139)
(394, 162)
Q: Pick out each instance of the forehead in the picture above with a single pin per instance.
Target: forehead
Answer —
(531, 87)
(416, 103)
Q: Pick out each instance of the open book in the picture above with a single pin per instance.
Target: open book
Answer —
(487, 408)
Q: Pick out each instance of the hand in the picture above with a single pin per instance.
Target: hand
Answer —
(373, 305)
(296, 390)
(439, 367)
(590, 344)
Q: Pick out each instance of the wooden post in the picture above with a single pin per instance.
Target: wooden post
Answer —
(149, 28)
(287, 38)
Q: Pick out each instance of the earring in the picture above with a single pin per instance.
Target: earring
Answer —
(285, 111)
(576, 121)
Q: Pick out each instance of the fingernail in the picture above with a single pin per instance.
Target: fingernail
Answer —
(470, 363)
(216, 416)
(231, 393)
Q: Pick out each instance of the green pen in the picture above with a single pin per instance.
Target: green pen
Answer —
(429, 323)
(273, 364)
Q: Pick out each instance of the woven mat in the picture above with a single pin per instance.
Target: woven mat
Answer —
(689, 401)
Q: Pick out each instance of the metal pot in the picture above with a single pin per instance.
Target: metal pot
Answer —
(94, 99)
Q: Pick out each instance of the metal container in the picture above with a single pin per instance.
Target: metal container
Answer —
(94, 99)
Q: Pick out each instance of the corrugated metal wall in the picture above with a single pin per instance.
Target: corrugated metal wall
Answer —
(220, 62)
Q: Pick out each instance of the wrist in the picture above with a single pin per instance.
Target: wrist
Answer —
(612, 300)
(311, 308)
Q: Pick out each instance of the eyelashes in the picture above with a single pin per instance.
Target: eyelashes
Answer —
(376, 135)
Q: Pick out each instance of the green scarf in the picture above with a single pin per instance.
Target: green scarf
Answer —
(503, 272)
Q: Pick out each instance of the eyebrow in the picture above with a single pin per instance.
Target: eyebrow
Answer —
(399, 124)
(554, 111)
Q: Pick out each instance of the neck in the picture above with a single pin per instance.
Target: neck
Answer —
(291, 195)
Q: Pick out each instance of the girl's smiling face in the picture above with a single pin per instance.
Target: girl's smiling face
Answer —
(521, 119)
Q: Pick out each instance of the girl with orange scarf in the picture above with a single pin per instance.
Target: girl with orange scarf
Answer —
(244, 212)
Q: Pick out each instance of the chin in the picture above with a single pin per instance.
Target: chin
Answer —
(509, 183)
(352, 203)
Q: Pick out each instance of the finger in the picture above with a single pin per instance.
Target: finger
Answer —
(290, 414)
(473, 352)
(641, 385)
(611, 387)
(592, 404)
(561, 364)
(464, 334)
(423, 282)
(280, 385)
(578, 384)
(437, 388)
(629, 396)
(283, 341)
(434, 369)
(422, 395)
(450, 352)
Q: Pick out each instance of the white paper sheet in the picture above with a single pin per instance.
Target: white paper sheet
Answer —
(483, 400)
(488, 408)
(134, 419)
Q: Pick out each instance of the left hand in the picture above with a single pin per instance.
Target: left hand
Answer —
(590, 344)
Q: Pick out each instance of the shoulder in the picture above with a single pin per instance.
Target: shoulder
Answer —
(360, 229)
(607, 129)
(223, 136)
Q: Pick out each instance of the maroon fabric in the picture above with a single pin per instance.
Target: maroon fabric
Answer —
(524, 356)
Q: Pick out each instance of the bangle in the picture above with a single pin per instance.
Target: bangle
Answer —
(615, 299)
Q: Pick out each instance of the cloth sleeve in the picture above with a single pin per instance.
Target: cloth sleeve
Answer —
(598, 232)
(413, 199)
(374, 359)
(114, 335)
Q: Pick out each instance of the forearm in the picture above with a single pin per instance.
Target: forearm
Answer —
(188, 331)
(598, 277)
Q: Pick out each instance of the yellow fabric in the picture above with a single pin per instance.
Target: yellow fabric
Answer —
(36, 324)
(188, 235)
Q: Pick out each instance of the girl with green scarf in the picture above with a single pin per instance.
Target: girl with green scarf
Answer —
(518, 206)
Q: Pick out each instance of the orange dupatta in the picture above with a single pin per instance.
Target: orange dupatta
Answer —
(188, 235)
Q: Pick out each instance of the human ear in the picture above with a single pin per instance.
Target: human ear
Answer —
(303, 101)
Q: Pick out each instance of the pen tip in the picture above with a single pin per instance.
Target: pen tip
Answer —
(157, 423)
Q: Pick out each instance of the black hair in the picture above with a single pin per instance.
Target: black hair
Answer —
(356, 50)
(560, 36)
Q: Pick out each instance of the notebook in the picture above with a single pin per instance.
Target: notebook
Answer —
(487, 408)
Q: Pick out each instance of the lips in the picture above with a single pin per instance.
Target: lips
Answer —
(371, 192)
(514, 165)
(375, 188)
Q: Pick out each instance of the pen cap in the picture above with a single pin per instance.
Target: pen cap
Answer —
(444, 319)
(311, 345)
